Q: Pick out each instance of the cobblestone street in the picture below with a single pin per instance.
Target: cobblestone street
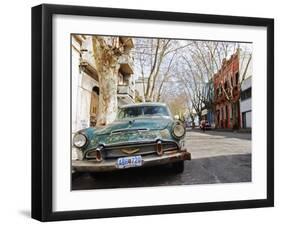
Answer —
(217, 157)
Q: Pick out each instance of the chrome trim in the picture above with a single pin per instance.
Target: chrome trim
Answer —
(129, 130)
(129, 143)
(101, 158)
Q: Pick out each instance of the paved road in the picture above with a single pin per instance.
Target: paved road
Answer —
(217, 157)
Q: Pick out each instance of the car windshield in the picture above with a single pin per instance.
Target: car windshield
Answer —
(140, 111)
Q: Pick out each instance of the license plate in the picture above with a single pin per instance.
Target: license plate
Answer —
(127, 162)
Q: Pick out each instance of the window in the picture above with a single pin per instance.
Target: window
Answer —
(246, 94)
(237, 78)
(141, 111)
(130, 112)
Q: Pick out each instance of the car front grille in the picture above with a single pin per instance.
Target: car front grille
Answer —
(110, 152)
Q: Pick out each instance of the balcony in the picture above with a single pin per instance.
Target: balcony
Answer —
(87, 65)
(125, 94)
(126, 64)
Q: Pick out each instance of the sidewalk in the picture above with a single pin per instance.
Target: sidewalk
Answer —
(249, 130)
(235, 131)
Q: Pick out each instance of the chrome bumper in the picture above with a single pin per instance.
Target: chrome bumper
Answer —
(110, 164)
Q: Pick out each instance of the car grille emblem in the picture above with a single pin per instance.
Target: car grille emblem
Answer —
(129, 152)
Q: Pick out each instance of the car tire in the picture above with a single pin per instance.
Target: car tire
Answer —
(178, 167)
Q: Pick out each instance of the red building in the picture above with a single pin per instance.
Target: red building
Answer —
(227, 94)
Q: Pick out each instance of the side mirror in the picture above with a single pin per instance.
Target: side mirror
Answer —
(176, 117)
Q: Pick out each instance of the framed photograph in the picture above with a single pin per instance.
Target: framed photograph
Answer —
(145, 112)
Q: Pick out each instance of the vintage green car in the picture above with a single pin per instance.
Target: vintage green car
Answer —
(142, 135)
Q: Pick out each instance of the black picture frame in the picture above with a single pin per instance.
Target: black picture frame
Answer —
(42, 111)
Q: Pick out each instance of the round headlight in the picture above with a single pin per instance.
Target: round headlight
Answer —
(79, 140)
(178, 130)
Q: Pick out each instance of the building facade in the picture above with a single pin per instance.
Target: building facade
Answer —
(85, 80)
(227, 94)
(245, 63)
(246, 103)
(233, 90)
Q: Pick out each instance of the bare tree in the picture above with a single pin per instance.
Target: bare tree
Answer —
(201, 62)
(166, 75)
(194, 91)
(178, 102)
(204, 57)
(154, 59)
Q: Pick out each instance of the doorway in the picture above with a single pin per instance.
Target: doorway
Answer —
(94, 107)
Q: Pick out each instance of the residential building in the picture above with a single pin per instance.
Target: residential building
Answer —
(246, 103)
(246, 89)
(227, 93)
(85, 80)
(232, 86)
(85, 83)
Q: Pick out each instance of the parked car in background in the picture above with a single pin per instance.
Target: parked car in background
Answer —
(142, 135)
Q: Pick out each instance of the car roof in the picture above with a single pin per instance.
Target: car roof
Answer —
(144, 104)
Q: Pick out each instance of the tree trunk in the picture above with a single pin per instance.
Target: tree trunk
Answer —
(107, 67)
(108, 95)
(199, 116)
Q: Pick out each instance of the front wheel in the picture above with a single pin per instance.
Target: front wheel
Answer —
(178, 167)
